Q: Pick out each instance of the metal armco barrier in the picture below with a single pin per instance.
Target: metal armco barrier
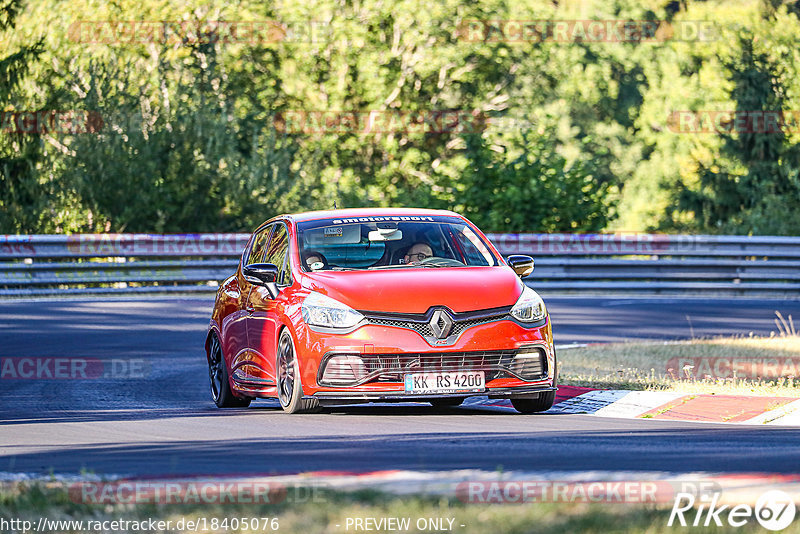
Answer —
(623, 262)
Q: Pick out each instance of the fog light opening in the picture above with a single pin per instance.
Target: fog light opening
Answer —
(344, 370)
(529, 363)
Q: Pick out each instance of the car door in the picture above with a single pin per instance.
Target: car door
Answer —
(234, 325)
(262, 321)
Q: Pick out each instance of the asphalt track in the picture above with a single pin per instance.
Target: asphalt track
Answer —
(163, 422)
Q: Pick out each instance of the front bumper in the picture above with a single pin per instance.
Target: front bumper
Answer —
(374, 340)
(354, 397)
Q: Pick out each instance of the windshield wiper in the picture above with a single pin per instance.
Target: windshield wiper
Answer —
(409, 265)
(431, 265)
(399, 266)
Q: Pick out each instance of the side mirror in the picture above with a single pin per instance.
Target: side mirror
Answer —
(262, 274)
(522, 265)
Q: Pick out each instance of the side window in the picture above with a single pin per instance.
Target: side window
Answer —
(259, 245)
(474, 249)
(277, 253)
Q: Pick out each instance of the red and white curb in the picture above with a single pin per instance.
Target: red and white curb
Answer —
(665, 405)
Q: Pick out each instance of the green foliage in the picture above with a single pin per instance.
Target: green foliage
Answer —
(528, 187)
(193, 163)
(577, 136)
(752, 184)
(21, 186)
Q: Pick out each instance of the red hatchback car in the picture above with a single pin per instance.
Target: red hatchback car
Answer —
(382, 305)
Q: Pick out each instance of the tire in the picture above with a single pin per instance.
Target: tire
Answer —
(290, 389)
(540, 404)
(221, 392)
(448, 402)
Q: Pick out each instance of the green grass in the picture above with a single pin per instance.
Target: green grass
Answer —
(31, 501)
(652, 366)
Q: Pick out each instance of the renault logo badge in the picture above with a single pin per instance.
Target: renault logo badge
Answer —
(441, 324)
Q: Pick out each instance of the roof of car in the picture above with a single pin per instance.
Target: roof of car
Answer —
(367, 212)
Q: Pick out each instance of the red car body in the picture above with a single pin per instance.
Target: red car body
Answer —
(394, 338)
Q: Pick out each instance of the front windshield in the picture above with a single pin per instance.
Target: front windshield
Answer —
(389, 242)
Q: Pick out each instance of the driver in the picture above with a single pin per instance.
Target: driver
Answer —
(418, 252)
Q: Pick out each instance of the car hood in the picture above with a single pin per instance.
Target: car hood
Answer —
(416, 290)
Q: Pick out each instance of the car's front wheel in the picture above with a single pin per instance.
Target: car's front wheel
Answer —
(290, 389)
(540, 404)
(218, 373)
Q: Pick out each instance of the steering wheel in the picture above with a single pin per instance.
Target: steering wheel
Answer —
(441, 262)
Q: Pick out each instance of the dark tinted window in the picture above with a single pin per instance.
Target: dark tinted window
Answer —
(391, 242)
(471, 246)
(256, 253)
(277, 253)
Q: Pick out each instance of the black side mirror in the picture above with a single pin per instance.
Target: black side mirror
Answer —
(262, 274)
(522, 265)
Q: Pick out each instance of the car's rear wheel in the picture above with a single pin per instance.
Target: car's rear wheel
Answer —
(221, 391)
(290, 389)
(449, 402)
(540, 404)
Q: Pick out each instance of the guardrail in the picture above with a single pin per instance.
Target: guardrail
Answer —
(624, 262)
(659, 263)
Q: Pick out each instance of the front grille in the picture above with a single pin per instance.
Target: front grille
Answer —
(526, 363)
(420, 323)
(392, 367)
(460, 326)
(423, 329)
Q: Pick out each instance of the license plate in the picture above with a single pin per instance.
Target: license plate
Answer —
(452, 382)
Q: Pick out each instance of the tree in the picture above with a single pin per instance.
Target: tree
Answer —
(754, 183)
(22, 191)
(527, 186)
(177, 154)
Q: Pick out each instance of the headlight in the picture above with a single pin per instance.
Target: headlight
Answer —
(529, 307)
(319, 310)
